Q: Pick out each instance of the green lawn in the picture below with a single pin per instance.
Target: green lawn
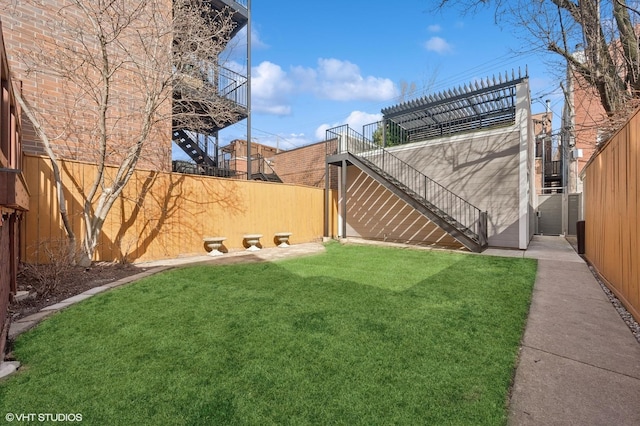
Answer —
(357, 335)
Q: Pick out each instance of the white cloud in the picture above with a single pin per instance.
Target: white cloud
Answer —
(355, 120)
(321, 131)
(435, 28)
(438, 45)
(333, 79)
(342, 81)
(270, 89)
(256, 41)
(235, 66)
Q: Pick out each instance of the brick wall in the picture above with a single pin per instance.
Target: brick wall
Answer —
(305, 166)
(5, 287)
(13, 193)
(34, 31)
(589, 114)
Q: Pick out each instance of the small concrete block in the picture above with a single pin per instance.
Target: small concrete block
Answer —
(17, 328)
(22, 295)
(96, 290)
(283, 238)
(214, 243)
(253, 240)
(56, 307)
(76, 298)
(8, 368)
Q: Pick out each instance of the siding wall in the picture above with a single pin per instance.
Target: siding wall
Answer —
(611, 211)
(13, 192)
(164, 215)
(6, 285)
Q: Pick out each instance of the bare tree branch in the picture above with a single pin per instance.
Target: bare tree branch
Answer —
(62, 204)
(125, 72)
(604, 33)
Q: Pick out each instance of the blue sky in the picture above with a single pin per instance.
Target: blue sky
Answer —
(321, 64)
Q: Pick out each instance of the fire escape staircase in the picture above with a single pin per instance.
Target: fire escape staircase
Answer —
(194, 149)
(462, 220)
(227, 87)
(262, 170)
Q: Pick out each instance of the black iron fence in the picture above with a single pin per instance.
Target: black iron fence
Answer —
(224, 170)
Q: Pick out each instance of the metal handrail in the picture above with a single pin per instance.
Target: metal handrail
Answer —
(259, 164)
(212, 79)
(242, 3)
(230, 84)
(461, 214)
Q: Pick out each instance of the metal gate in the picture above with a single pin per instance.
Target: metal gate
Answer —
(549, 214)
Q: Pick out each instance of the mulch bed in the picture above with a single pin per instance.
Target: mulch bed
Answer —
(73, 281)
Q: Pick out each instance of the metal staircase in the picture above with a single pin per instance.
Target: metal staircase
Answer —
(462, 220)
(194, 148)
(262, 170)
(202, 89)
(224, 88)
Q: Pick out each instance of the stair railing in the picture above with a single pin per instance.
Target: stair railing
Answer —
(260, 165)
(230, 84)
(461, 214)
(198, 150)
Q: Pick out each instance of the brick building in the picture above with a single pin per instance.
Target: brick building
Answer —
(582, 121)
(548, 161)
(65, 91)
(14, 195)
(235, 154)
(305, 166)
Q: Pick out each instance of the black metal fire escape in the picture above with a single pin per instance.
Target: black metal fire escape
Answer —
(225, 87)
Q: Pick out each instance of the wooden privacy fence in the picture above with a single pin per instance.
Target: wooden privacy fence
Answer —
(165, 215)
(612, 210)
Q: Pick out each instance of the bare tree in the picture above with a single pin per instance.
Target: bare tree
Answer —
(125, 72)
(598, 39)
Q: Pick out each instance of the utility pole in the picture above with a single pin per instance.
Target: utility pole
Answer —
(249, 90)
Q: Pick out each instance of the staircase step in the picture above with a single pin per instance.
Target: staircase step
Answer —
(421, 200)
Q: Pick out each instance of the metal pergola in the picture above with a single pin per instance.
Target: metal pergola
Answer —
(480, 105)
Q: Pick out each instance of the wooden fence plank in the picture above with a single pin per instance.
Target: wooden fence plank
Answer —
(612, 209)
(164, 215)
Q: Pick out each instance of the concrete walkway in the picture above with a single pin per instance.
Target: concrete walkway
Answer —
(579, 362)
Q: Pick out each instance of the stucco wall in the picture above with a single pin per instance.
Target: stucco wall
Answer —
(482, 168)
(373, 212)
